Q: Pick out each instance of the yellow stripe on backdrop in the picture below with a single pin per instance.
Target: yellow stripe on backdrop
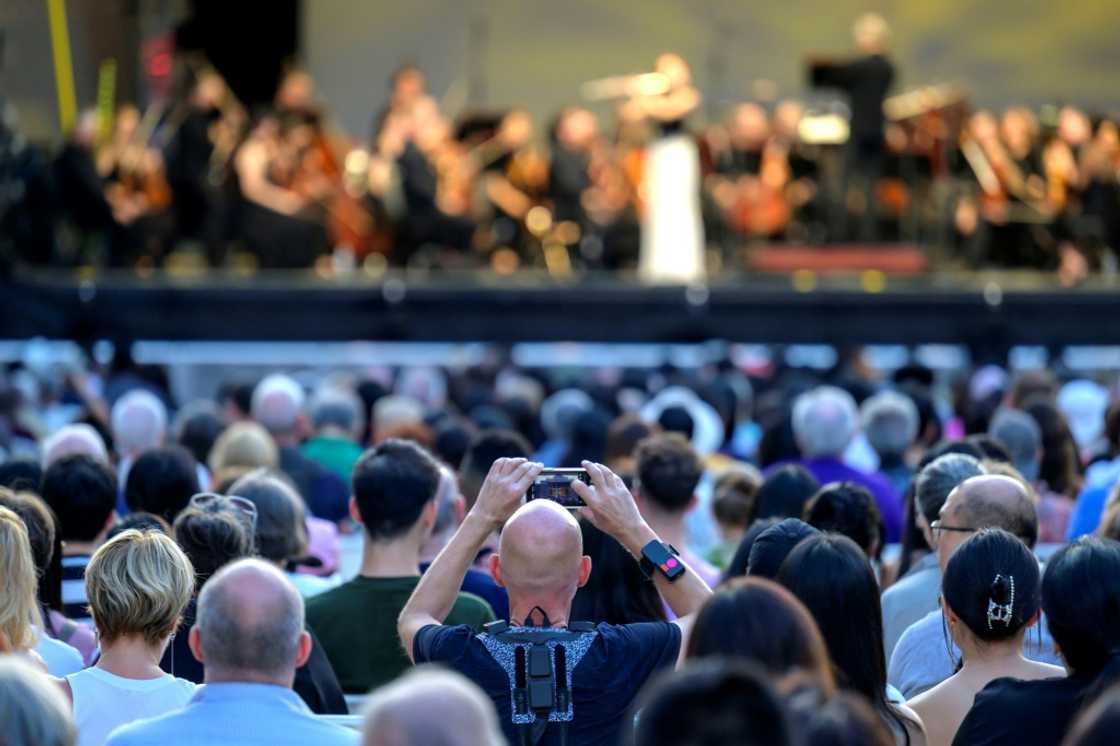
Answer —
(63, 66)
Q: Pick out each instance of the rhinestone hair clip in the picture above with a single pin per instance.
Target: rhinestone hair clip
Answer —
(1002, 612)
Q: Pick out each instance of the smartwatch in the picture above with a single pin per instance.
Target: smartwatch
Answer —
(661, 557)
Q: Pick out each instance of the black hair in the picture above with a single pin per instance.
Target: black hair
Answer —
(162, 482)
(1060, 466)
(453, 438)
(21, 474)
(709, 703)
(929, 422)
(992, 449)
(777, 443)
(992, 567)
(197, 433)
(487, 447)
(212, 537)
(393, 482)
(588, 440)
(239, 394)
(847, 508)
(82, 492)
(758, 620)
(281, 528)
(1081, 600)
(774, 544)
(141, 522)
(784, 492)
(668, 471)
(739, 561)
(843, 720)
(617, 592)
(832, 576)
(677, 419)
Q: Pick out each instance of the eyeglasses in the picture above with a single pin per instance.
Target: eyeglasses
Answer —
(213, 502)
(938, 527)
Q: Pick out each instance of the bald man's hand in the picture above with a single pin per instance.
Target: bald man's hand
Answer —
(611, 508)
(504, 489)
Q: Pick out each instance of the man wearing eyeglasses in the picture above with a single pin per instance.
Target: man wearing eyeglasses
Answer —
(921, 659)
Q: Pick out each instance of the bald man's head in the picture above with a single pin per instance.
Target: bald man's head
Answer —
(250, 623)
(987, 501)
(541, 552)
(400, 713)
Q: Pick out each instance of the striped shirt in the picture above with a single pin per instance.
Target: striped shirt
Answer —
(74, 588)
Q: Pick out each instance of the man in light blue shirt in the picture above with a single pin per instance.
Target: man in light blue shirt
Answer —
(250, 637)
(916, 594)
(923, 658)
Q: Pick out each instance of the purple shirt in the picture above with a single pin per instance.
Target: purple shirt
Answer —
(886, 497)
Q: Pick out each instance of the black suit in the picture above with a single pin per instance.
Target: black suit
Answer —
(866, 80)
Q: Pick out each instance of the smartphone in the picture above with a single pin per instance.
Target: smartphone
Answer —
(556, 485)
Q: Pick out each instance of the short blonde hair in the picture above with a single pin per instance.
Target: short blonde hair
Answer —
(19, 605)
(243, 444)
(32, 709)
(138, 583)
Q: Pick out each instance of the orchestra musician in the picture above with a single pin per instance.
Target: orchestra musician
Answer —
(280, 225)
(199, 164)
(866, 81)
(672, 249)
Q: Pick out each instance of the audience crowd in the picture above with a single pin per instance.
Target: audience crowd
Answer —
(853, 557)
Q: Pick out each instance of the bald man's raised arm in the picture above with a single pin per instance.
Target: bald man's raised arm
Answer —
(611, 507)
(438, 589)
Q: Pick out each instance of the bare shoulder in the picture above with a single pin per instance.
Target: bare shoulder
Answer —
(915, 729)
(1039, 670)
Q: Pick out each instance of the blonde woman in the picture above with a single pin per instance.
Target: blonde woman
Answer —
(19, 606)
(242, 447)
(137, 584)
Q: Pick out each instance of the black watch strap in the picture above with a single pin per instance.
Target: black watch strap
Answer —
(657, 556)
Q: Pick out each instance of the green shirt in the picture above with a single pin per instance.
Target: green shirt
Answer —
(356, 624)
(335, 454)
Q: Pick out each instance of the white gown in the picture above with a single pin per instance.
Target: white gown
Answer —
(672, 249)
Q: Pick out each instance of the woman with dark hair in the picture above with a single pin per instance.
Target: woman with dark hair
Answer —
(617, 592)
(832, 576)
(588, 439)
(1080, 598)
(784, 492)
(991, 595)
(741, 559)
(762, 622)
(847, 508)
(1060, 469)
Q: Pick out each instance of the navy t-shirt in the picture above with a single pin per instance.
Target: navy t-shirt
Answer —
(620, 661)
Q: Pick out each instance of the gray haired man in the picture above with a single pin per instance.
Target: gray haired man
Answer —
(250, 638)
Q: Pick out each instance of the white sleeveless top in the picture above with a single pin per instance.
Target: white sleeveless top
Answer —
(103, 701)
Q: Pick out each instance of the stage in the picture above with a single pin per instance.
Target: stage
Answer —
(986, 313)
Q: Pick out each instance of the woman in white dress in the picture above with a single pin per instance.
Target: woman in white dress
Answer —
(672, 248)
(138, 585)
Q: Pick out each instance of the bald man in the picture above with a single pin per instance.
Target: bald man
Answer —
(541, 564)
(400, 714)
(921, 659)
(249, 636)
